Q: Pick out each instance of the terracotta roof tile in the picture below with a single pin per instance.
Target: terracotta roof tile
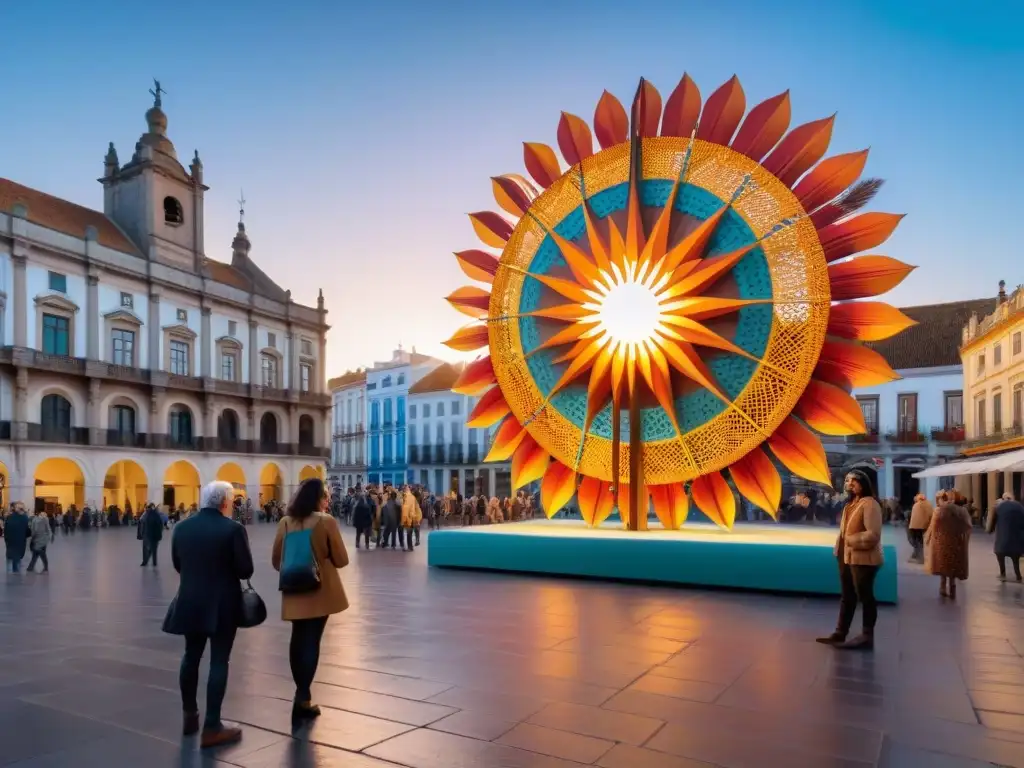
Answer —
(935, 340)
(346, 379)
(225, 273)
(440, 379)
(63, 215)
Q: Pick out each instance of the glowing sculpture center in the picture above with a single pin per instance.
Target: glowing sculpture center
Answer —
(628, 312)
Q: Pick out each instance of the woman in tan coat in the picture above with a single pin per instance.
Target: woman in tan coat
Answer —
(308, 611)
(412, 516)
(858, 550)
(947, 539)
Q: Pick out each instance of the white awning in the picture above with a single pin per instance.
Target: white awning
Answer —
(1012, 461)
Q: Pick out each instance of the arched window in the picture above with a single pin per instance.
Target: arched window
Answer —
(268, 433)
(227, 428)
(305, 431)
(55, 419)
(122, 421)
(173, 213)
(179, 426)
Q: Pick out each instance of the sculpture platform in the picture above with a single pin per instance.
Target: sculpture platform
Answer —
(756, 557)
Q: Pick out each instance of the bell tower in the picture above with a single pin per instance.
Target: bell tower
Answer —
(153, 198)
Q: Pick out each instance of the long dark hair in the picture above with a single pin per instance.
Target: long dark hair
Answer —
(867, 490)
(307, 498)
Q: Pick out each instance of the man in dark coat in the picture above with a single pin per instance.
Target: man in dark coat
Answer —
(362, 518)
(151, 531)
(1007, 520)
(390, 517)
(211, 552)
(16, 536)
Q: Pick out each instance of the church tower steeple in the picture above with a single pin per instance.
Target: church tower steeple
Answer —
(240, 246)
(154, 199)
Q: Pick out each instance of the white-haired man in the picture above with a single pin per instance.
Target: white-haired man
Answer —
(211, 553)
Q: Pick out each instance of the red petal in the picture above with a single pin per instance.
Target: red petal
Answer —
(849, 365)
(478, 265)
(513, 193)
(468, 338)
(682, 109)
(801, 451)
(866, 276)
(541, 163)
(803, 147)
(868, 230)
(829, 178)
(763, 127)
(574, 138)
(470, 300)
(757, 479)
(722, 113)
(491, 409)
(715, 498)
(867, 321)
(476, 377)
(557, 487)
(491, 228)
(611, 124)
(830, 410)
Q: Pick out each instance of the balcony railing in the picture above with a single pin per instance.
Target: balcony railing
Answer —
(116, 437)
(949, 435)
(906, 437)
(438, 454)
(871, 436)
(994, 437)
(455, 453)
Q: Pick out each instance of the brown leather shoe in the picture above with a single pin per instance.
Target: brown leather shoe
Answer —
(190, 724)
(219, 737)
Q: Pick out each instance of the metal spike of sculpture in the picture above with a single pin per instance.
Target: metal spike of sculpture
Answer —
(682, 283)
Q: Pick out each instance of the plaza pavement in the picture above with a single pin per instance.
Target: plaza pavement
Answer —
(435, 669)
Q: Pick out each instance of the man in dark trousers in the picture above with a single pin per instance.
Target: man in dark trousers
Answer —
(362, 518)
(151, 531)
(211, 552)
(16, 534)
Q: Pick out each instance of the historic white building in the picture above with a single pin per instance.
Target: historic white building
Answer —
(387, 394)
(444, 454)
(134, 368)
(348, 431)
(917, 421)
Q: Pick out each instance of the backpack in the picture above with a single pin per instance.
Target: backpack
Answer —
(300, 572)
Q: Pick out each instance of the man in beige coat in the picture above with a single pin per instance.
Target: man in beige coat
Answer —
(920, 517)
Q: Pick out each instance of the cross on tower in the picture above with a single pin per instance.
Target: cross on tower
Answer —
(241, 206)
(157, 92)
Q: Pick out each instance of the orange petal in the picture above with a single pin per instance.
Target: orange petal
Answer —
(647, 108)
(478, 265)
(513, 193)
(564, 312)
(567, 288)
(682, 109)
(476, 377)
(574, 138)
(468, 338)
(800, 450)
(491, 409)
(541, 163)
(591, 494)
(528, 463)
(580, 264)
(670, 505)
(491, 228)
(850, 365)
(723, 112)
(866, 276)
(868, 230)
(692, 246)
(867, 321)
(714, 497)
(830, 410)
(803, 147)
(757, 480)
(625, 503)
(829, 178)
(506, 440)
(557, 487)
(611, 124)
(763, 127)
(470, 300)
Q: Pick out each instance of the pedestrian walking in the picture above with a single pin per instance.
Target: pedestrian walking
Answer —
(1007, 521)
(308, 551)
(947, 540)
(211, 553)
(42, 534)
(16, 535)
(150, 533)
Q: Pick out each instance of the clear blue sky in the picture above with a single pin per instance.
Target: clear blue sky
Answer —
(363, 134)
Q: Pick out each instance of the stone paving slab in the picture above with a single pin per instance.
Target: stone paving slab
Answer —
(439, 669)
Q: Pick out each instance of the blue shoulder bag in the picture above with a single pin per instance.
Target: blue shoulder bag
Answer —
(300, 572)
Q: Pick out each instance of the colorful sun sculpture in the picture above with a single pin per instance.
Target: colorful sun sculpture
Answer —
(674, 308)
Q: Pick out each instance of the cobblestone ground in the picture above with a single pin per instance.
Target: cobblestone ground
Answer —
(432, 669)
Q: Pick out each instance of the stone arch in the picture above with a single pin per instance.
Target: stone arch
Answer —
(183, 425)
(233, 473)
(229, 428)
(307, 431)
(271, 483)
(182, 398)
(124, 397)
(181, 483)
(283, 422)
(270, 432)
(73, 396)
(59, 480)
(309, 471)
(125, 481)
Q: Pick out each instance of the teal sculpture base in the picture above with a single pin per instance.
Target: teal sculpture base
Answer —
(769, 558)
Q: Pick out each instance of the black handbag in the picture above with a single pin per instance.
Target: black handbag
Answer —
(253, 611)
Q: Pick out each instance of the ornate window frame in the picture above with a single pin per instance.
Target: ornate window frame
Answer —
(61, 306)
(182, 333)
(122, 319)
(228, 345)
